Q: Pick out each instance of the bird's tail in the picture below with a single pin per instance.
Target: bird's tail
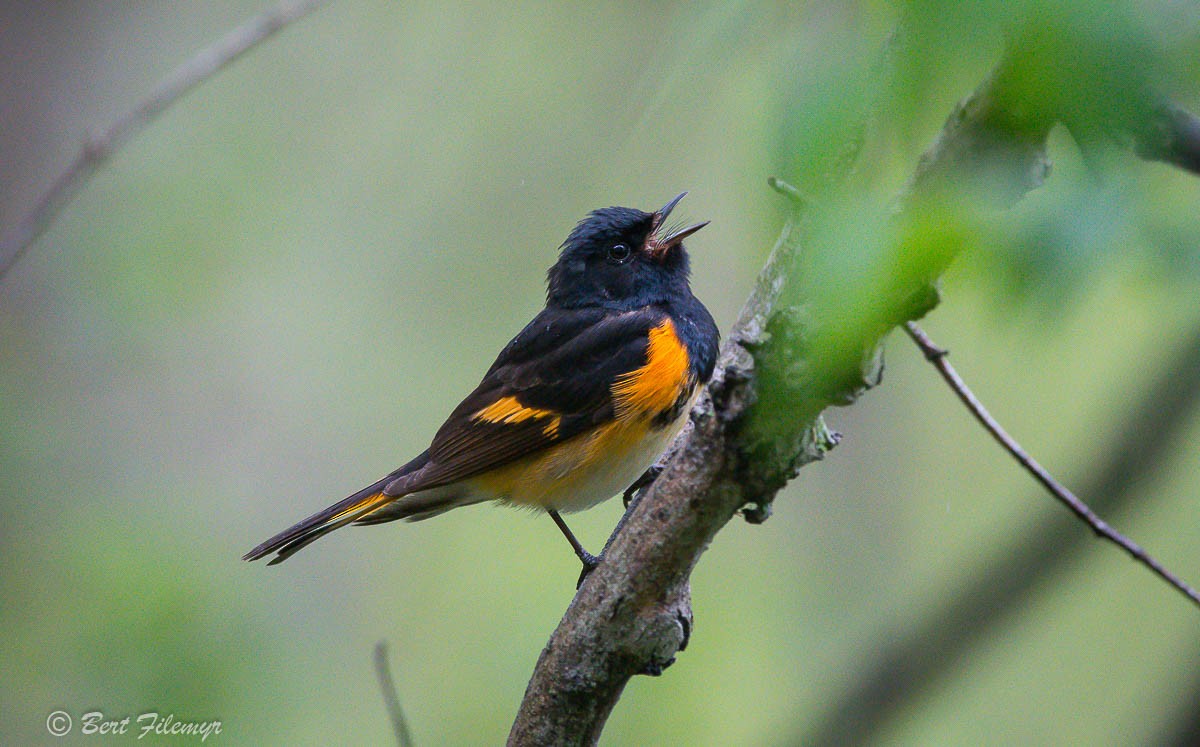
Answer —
(319, 524)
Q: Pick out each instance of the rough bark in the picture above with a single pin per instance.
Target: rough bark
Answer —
(759, 421)
(633, 613)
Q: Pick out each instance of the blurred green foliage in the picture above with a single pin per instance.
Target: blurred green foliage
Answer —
(275, 294)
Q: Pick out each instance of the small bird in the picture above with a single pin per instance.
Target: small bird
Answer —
(578, 406)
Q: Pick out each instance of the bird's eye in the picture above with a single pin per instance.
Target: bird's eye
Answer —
(619, 253)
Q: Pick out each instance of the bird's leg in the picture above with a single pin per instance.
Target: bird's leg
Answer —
(648, 477)
(589, 561)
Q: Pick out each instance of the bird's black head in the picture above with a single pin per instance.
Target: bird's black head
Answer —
(621, 258)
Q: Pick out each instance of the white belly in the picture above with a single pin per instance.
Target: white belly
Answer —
(582, 471)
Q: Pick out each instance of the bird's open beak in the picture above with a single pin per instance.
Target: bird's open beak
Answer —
(660, 245)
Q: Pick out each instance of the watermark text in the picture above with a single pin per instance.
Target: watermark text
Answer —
(148, 724)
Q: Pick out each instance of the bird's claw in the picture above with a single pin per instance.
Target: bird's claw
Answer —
(642, 483)
(590, 562)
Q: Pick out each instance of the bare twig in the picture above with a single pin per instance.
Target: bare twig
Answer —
(390, 698)
(910, 658)
(937, 356)
(100, 147)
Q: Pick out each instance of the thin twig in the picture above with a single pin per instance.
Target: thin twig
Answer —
(914, 657)
(390, 698)
(937, 356)
(100, 147)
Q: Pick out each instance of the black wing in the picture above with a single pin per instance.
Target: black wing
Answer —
(552, 382)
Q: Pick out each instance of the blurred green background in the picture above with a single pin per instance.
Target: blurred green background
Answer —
(276, 293)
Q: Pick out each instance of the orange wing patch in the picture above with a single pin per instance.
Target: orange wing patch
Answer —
(655, 387)
(510, 410)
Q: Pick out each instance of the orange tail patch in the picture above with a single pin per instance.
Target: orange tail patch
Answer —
(319, 524)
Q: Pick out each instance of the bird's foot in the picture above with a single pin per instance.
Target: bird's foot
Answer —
(590, 562)
(641, 484)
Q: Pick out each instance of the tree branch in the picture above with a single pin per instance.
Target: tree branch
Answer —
(633, 613)
(98, 148)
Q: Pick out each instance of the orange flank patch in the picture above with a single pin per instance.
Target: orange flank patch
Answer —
(600, 462)
(655, 387)
(510, 410)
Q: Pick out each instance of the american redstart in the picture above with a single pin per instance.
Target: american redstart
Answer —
(577, 406)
